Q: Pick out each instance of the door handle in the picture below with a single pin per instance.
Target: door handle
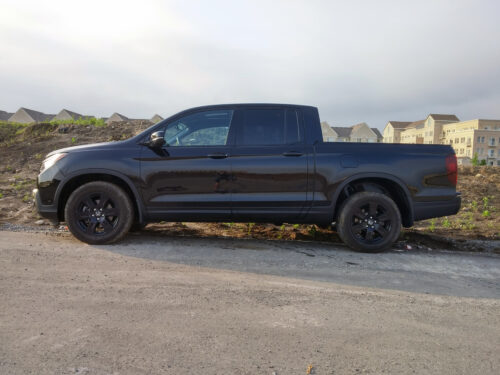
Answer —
(218, 155)
(292, 153)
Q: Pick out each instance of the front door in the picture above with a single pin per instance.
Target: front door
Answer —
(269, 165)
(188, 179)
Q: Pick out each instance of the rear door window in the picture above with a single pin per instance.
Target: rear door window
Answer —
(267, 127)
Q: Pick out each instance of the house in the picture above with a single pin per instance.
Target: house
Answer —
(156, 118)
(116, 117)
(357, 133)
(328, 134)
(393, 129)
(66, 114)
(363, 133)
(413, 133)
(4, 116)
(29, 116)
(342, 134)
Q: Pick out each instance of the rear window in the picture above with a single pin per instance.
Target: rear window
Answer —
(269, 127)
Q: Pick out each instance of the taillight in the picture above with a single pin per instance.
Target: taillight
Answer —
(451, 169)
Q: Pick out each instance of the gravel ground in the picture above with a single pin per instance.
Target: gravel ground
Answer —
(73, 308)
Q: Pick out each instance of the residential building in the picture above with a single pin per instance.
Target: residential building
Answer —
(328, 134)
(116, 117)
(156, 118)
(4, 116)
(468, 138)
(29, 116)
(66, 114)
(357, 133)
(393, 129)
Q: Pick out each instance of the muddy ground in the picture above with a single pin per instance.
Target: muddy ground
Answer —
(22, 151)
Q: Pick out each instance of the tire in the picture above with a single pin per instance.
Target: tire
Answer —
(86, 210)
(369, 222)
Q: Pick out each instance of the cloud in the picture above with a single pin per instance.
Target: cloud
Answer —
(356, 60)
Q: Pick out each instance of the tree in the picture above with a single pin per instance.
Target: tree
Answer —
(483, 162)
(475, 160)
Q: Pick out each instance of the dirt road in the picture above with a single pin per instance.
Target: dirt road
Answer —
(73, 308)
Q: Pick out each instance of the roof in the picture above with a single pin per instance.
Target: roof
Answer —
(68, 113)
(342, 132)
(360, 125)
(444, 117)
(156, 118)
(26, 115)
(38, 116)
(416, 124)
(377, 132)
(115, 117)
(399, 124)
(4, 116)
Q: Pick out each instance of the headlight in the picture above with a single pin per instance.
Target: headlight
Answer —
(51, 160)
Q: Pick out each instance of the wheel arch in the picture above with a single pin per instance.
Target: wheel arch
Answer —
(376, 182)
(75, 180)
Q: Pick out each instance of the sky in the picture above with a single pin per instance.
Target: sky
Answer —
(357, 61)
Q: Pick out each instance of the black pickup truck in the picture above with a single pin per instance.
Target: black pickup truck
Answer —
(247, 163)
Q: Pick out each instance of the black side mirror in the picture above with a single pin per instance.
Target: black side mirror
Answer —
(157, 140)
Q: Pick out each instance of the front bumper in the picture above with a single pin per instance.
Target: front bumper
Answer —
(48, 211)
(431, 209)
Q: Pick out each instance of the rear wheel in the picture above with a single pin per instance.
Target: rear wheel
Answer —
(99, 212)
(369, 222)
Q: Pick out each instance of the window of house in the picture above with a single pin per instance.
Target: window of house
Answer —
(462, 140)
(491, 153)
(478, 139)
(492, 141)
(482, 139)
(467, 152)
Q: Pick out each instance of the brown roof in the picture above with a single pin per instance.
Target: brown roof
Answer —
(444, 117)
(399, 124)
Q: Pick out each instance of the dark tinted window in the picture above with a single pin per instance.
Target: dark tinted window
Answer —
(209, 128)
(269, 127)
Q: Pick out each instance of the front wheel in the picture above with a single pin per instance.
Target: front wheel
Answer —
(369, 222)
(99, 212)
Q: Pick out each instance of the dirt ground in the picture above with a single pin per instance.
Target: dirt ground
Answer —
(21, 155)
(72, 308)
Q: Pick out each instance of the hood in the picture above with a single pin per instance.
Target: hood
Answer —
(90, 147)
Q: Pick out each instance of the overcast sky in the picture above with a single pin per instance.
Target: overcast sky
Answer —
(357, 61)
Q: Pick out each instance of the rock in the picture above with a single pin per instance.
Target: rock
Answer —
(40, 222)
(479, 175)
(408, 247)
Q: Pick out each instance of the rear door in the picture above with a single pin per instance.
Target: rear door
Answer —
(269, 164)
(188, 178)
